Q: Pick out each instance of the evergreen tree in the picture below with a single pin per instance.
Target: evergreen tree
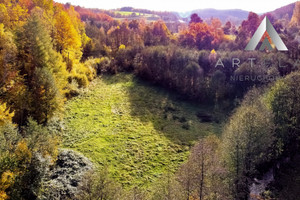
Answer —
(45, 74)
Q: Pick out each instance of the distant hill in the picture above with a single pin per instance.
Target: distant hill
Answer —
(233, 15)
(284, 11)
(236, 16)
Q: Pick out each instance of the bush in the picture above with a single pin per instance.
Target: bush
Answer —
(73, 89)
(26, 159)
(97, 185)
(103, 65)
(124, 58)
(81, 80)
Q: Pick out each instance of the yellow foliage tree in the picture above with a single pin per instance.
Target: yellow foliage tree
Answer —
(122, 46)
(23, 153)
(66, 36)
(12, 14)
(8, 51)
(75, 19)
(5, 114)
(6, 181)
(45, 4)
(78, 25)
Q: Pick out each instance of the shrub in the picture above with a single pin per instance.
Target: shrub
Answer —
(25, 159)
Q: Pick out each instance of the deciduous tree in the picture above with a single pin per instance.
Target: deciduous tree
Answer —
(248, 141)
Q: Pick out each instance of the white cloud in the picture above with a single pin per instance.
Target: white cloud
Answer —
(258, 6)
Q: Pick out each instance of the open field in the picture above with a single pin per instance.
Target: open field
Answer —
(138, 130)
(127, 13)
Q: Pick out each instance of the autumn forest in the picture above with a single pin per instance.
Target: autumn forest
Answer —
(134, 104)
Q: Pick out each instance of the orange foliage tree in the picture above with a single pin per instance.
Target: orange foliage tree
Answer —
(202, 35)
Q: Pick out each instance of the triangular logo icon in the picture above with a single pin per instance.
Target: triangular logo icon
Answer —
(266, 44)
(266, 26)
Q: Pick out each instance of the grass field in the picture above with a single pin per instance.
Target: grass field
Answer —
(135, 129)
(128, 13)
(125, 13)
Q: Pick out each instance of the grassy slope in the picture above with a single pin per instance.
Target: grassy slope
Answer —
(127, 15)
(124, 12)
(139, 131)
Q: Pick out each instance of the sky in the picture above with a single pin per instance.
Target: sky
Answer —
(258, 6)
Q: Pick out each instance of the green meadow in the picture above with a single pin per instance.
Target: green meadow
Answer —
(135, 129)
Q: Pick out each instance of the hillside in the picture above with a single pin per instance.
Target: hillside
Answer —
(139, 131)
(234, 15)
(284, 11)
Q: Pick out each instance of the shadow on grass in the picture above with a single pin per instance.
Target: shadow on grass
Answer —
(176, 119)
